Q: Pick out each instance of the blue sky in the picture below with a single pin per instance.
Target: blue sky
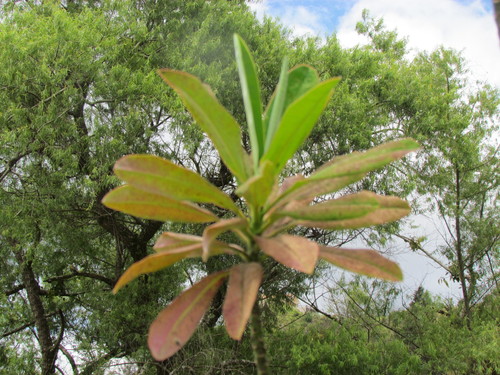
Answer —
(465, 25)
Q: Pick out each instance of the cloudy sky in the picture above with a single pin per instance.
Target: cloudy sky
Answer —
(464, 25)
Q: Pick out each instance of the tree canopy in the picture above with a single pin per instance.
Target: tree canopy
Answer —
(79, 90)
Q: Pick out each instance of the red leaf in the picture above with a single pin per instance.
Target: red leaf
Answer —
(212, 231)
(295, 252)
(175, 325)
(362, 261)
(242, 289)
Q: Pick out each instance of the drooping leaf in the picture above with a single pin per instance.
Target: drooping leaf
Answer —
(155, 207)
(156, 262)
(212, 231)
(242, 290)
(213, 118)
(174, 326)
(297, 122)
(295, 252)
(277, 106)
(170, 248)
(250, 88)
(176, 242)
(256, 189)
(171, 241)
(162, 177)
(389, 209)
(363, 162)
(363, 261)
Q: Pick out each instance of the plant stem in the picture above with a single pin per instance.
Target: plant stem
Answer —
(257, 339)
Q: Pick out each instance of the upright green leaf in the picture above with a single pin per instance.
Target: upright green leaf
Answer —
(256, 190)
(242, 290)
(213, 118)
(162, 177)
(297, 122)
(251, 97)
(175, 325)
(301, 79)
(295, 252)
(277, 106)
(362, 261)
(155, 207)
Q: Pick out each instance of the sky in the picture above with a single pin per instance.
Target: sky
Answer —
(464, 25)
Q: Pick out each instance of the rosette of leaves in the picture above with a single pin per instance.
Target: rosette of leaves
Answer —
(269, 207)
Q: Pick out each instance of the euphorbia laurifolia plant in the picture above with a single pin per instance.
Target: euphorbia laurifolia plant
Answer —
(269, 207)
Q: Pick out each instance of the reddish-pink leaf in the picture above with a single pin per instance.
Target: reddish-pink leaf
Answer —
(362, 162)
(156, 262)
(242, 289)
(362, 261)
(155, 207)
(295, 252)
(175, 325)
(389, 209)
(170, 241)
(212, 231)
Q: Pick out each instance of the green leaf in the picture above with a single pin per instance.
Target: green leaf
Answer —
(155, 207)
(242, 290)
(303, 189)
(297, 122)
(213, 118)
(175, 325)
(162, 177)
(301, 79)
(295, 252)
(256, 190)
(277, 106)
(251, 97)
(343, 171)
(363, 162)
(362, 261)
(212, 231)
(348, 207)
(389, 209)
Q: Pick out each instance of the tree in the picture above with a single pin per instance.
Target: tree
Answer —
(432, 98)
(80, 92)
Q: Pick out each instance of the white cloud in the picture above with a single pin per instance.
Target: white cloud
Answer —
(300, 19)
(259, 8)
(431, 23)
